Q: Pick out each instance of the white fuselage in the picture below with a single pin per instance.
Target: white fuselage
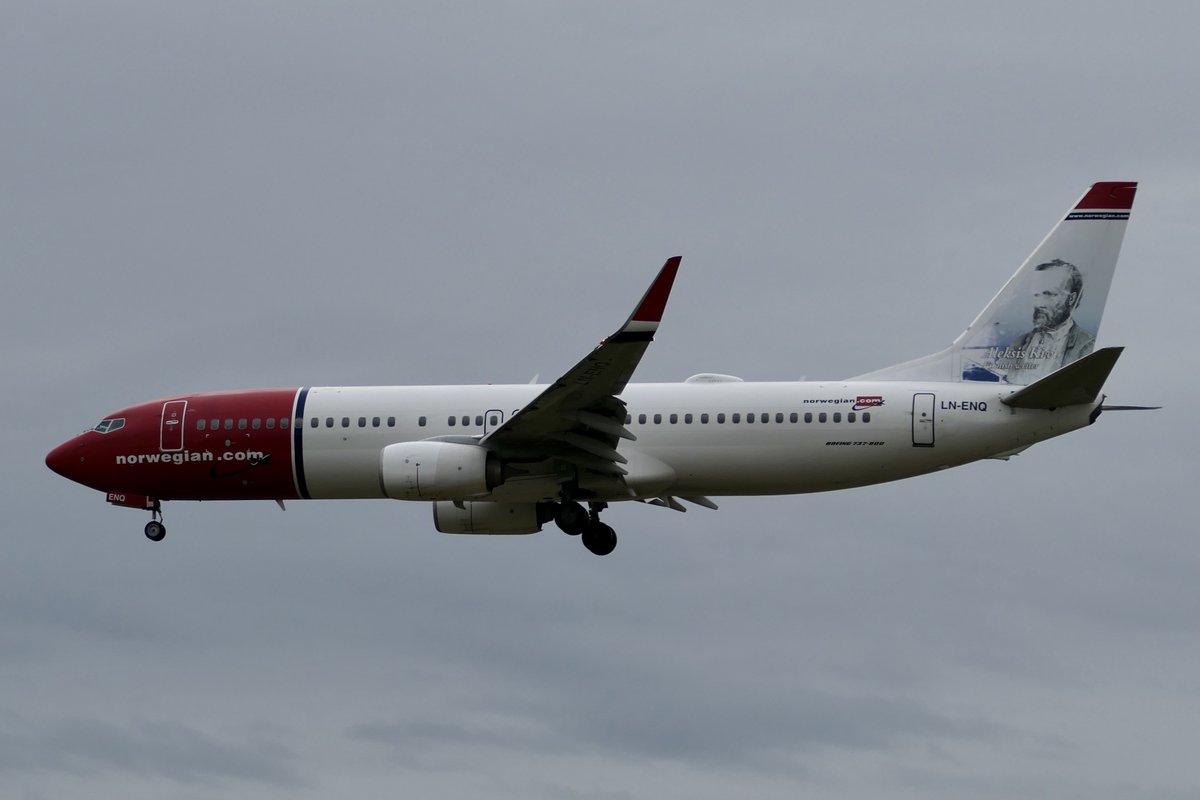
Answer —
(817, 436)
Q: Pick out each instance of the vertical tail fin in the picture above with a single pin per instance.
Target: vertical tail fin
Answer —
(1048, 313)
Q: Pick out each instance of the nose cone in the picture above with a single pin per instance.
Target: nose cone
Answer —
(68, 459)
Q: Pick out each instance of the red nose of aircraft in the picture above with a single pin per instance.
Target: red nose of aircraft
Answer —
(69, 459)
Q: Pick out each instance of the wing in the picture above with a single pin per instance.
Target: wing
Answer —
(578, 418)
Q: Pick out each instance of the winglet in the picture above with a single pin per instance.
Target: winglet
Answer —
(655, 299)
(643, 322)
(1076, 383)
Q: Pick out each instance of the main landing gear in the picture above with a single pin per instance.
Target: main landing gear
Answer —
(155, 530)
(597, 537)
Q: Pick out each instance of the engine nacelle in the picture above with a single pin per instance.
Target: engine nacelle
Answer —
(437, 471)
(481, 516)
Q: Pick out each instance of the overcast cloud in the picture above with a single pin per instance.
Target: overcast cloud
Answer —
(204, 196)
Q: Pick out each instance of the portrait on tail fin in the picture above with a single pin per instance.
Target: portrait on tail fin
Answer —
(1048, 314)
(1056, 338)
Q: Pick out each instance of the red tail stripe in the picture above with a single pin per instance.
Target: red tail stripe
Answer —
(1112, 195)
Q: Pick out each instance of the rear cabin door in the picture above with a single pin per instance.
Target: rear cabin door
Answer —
(171, 433)
(922, 419)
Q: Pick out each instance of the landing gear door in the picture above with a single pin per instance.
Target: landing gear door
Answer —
(171, 432)
(493, 419)
(922, 420)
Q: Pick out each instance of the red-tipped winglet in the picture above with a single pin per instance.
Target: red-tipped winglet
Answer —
(655, 299)
(1109, 195)
(643, 322)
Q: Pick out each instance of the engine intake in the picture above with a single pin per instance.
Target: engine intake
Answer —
(437, 471)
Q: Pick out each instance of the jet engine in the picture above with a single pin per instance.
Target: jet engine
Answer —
(437, 470)
(481, 516)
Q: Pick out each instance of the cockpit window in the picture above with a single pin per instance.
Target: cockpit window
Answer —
(109, 425)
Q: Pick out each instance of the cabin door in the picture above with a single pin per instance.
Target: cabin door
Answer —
(922, 419)
(171, 431)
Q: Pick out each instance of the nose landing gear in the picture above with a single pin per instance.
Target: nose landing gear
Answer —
(155, 530)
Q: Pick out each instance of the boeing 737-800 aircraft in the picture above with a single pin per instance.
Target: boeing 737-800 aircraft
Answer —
(508, 459)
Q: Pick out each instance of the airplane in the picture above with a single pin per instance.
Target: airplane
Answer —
(507, 459)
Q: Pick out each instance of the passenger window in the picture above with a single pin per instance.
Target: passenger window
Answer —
(493, 420)
(242, 424)
(658, 419)
(687, 419)
(283, 422)
(451, 420)
(391, 422)
(628, 419)
(329, 422)
(362, 422)
(704, 419)
(850, 417)
(421, 421)
(721, 418)
(314, 423)
(375, 422)
(837, 416)
(749, 418)
(866, 416)
(228, 424)
(479, 420)
(201, 424)
(214, 424)
(466, 421)
(641, 419)
(779, 417)
(345, 422)
(795, 417)
(674, 419)
(256, 423)
(808, 416)
(822, 417)
(270, 423)
(735, 418)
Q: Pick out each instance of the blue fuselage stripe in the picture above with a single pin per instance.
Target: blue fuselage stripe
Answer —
(298, 444)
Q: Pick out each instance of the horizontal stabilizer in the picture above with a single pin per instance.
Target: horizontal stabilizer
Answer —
(1076, 383)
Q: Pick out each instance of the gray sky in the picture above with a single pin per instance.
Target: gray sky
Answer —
(225, 195)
